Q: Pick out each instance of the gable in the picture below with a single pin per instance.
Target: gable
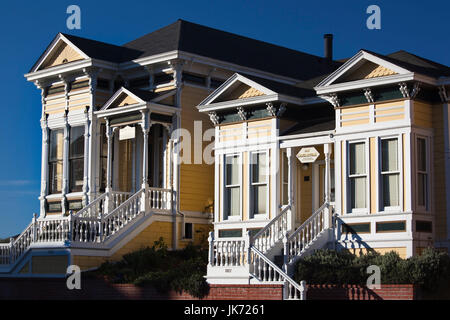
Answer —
(367, 70)
(62, 53)
(239, 91)
(124, 100)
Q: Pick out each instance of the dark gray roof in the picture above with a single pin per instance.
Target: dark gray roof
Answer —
(310, 126)
(283, 88)
(148, 95)
(208, 42)
(415, 63)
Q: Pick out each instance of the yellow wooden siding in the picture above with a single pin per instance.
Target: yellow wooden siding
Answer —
(61, 52)
(49, 264)
(389, 111)
(200, 235)
(439, 190)
(349, 118)
(196, 180)
(400, 250)
(423, 115)
(231, 132)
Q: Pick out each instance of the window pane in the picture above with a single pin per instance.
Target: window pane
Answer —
(233, 196)
(259, 199)
(76, 142)
(76, 174)
(285, 169)
(422, 189)
(232, 170)
(55, 176)
(358, 192)
(259, 167)
(56, 144)
(421, 155)
(390, 190)
(389, 155)
(357, 158)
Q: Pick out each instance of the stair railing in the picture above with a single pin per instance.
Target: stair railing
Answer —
(273, 232)
(298, 240)
(263, 269)
(93, 209)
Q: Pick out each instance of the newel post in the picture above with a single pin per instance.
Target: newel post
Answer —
(11, 250)
(34, 227)
(327, 212)
(70, 234)
(211, 249)
(285, 251)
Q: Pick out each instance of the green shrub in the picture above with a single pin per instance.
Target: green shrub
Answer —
(179, 270)
(428, 270)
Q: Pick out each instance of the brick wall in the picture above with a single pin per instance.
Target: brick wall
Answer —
(98, 289)
(356, 292)
(52, 289)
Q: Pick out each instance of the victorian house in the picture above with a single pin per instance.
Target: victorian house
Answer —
(307, 153)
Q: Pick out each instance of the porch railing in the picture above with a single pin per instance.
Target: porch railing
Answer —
(92, 224)
(273, 231)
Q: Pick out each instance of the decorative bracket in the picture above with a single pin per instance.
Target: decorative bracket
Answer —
(242, 113)
(281, 109)
(214, 118)
(369, 95)
(443, 94)
(415, 90)
(271, 109)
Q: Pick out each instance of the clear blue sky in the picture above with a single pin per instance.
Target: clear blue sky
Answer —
(26, 29)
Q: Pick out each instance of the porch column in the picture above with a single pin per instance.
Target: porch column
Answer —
(108, 189)
(86, 159)
(145, 124)
(65, 186)
(327, 151)
(44, 166)
(291, 181)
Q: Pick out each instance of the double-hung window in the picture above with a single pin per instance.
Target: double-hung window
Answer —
(390, 174)
(76, 158)
(55, 160)
(357, 177)
(232, 187)
(422, 173)
(258, 183)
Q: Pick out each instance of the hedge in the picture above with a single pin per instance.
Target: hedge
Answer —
(428, 270)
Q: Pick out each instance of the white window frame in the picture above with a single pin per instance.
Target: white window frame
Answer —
(284, 173)
(366, 175)
(250, 188)
(225, 210)
(419, 207)
(399, 171)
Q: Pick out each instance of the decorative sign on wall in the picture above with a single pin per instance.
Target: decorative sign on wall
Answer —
(127, 133)
(308, 155)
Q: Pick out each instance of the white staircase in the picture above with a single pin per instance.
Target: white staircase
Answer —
(252, 259)
(96, 226)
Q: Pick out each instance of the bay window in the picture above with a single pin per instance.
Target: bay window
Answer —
(357, 176)
(390, 173)
(55, 161)
(76, 158)
(232, 187)
(258, 183)
(422, 173)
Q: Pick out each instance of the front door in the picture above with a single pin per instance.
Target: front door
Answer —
(126, 165)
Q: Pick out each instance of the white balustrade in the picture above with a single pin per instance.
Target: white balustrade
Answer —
(263, 269)
(159, 199)
(273, 232)
(94, 209)
(227, 253)
(298, 241)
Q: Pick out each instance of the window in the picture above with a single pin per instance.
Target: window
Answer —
(390, 174)
(357, 176)
(232, 187)
(258, 183)
(188, 230)
(76, 158)
(422, 173)
(103, 157)
(56, 161)
(285, 178)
